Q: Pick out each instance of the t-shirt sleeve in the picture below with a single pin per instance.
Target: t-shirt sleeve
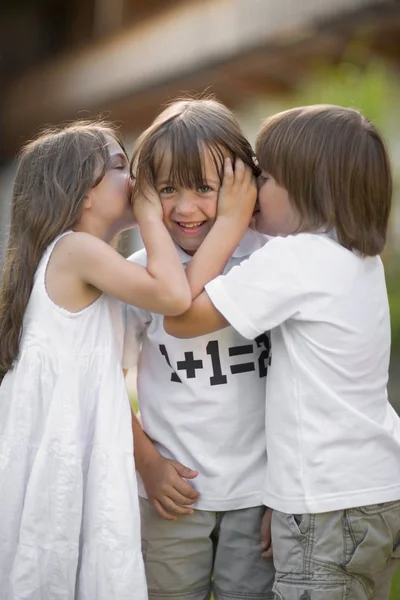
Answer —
(263, 291)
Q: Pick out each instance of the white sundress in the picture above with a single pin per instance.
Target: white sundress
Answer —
(69, 515)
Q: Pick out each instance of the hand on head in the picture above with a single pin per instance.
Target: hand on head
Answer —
(238, 193)
(146, 203)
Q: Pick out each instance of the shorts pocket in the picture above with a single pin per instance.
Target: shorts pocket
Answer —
(305, 591)
(373, 533)
(288, 534)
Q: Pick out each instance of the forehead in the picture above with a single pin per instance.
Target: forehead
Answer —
(113, 146)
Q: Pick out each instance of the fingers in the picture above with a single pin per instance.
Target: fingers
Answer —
(182, 486)
(173, 496)
(183, 494)
(169, 510)
(266, 545)
(169, 507)
(240, 172)
(179, 490)
(183, 471)
(162, 512)
(228, 178)
(174, 508)
(267, 553)
(243, 176)
(180, 499)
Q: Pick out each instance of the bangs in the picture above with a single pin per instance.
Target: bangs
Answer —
(183, 155)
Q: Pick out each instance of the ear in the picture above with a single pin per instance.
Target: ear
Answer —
(87, 202)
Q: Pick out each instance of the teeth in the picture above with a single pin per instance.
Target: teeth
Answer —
(191, 225)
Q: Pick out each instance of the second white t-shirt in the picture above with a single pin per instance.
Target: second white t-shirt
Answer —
(202, 400)
(333, 440)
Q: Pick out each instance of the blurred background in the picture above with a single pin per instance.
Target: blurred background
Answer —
(122, 59)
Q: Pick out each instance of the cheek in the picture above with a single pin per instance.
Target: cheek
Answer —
(263, 199)
(168, 206)
(209, 207)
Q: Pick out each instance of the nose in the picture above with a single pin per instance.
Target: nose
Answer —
(186, 205)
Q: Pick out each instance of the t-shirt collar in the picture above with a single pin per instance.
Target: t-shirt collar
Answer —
(250, 242)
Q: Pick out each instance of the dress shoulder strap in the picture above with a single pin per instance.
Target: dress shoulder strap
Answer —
(47, 253)
(54, 242)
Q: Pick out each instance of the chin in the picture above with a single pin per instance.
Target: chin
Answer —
(186, 248)
(189, 246)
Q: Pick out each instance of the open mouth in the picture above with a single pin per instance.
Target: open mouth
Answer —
(190, 228)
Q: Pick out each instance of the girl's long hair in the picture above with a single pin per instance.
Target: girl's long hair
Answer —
(54, 174)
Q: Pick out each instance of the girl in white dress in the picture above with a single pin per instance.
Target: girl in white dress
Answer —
(69, 520)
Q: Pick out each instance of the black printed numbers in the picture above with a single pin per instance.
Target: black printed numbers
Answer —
(174, 376)
(192, 366)
(213, 350)
(264, 360)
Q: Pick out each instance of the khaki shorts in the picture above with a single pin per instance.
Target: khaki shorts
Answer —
(218, 552)
(343, 555)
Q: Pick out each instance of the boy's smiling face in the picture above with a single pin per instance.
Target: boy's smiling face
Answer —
(189, 214)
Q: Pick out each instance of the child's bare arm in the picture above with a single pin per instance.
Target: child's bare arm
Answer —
(160, 287)
(163, 479)
(201, 318)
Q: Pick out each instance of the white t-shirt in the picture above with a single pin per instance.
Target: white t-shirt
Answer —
(333, 440)
(202, 400)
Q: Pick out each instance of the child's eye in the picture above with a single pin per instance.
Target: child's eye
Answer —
(204, 189)
(168, 190)
(121, 166)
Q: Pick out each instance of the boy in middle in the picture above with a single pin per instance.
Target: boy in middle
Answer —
(200, 451)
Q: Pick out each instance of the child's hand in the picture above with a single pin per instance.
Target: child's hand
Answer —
(266, 546)
(170, 494)
(238, 193)
(147, 204)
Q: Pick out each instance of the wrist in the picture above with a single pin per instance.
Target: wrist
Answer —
(147, 458)
(232, 217)
(148, 217)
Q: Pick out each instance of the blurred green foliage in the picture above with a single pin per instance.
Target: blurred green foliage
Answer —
(395, 593)
(393, 286)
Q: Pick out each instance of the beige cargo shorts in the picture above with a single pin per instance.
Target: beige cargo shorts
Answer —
(343, 555)
(206, 552)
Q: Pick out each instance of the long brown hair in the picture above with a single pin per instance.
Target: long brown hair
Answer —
(185, 128)
(335, 166)
(54, 174)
